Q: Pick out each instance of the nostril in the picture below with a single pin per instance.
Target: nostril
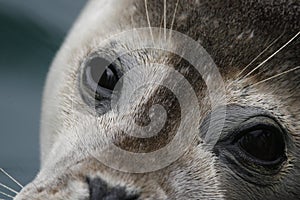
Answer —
(132, 197)
(99, 190)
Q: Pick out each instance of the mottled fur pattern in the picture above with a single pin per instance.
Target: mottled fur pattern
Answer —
(233, 33)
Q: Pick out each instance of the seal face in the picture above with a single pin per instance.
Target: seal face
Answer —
(174, 100)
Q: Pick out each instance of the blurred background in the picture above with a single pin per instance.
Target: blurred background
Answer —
(31, 32)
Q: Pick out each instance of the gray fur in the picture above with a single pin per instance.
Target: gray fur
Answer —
(233, 33)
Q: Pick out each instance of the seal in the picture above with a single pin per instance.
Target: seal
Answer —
(220, 78)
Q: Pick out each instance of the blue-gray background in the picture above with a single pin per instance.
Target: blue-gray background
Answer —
(31, 31)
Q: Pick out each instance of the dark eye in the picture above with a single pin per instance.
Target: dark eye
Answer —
(253, 144)
(263, 143)
(101, 76)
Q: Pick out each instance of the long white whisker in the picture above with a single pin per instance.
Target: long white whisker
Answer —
(7, 195)
(277, 75)
(173, 19)
(160, 27)
(165, 20)
(271, 56)
(261, 53)
(8, 188)
(9, 176)
(148, 20)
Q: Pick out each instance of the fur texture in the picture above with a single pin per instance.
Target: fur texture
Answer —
(233, 33)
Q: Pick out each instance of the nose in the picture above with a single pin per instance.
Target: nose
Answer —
(99, 190)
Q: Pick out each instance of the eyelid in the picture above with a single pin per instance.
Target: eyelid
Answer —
(253, 123)
(235, 131)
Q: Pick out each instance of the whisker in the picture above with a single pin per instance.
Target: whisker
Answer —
(165, 20)
(173, 19)
(277, 75)
(160, 27)
(272, 43)
(7, 195)
(8, 188)
(271, 56)
(9, 176)
(148, 20)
